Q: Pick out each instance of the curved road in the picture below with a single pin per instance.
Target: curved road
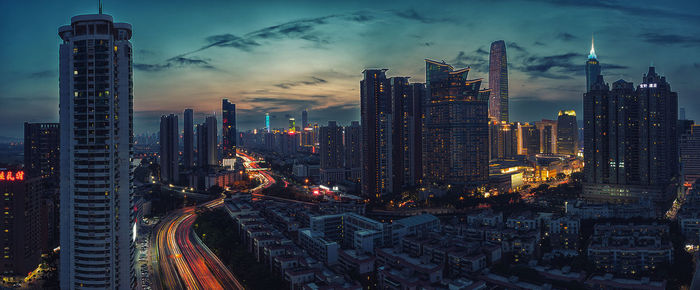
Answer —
(181, 259)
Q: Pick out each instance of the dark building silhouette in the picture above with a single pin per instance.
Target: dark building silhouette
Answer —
(407, 102)
(531, 139)
(353, 145)
(498, 82)
(41, 165)
(375, 113)
(503, 140)
(169, 149)
(304, 120)
(592, 68)
(456, 128)
(567, 133)
(331, 151)
(206, 144)
(228, 123)
(631, 141)
(188, 140)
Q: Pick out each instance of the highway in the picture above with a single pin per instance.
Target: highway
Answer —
(181, 259)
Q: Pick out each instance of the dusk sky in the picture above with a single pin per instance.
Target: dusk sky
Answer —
(284, 56)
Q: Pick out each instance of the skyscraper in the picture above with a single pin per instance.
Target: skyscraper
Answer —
(207, 154)
(530, 139)
(331, 152)
(567, 133)
(41, 167)
(690, 153)
(304, 120)
(456, 128)
(592, 68)
(401, 93)
(228, 123)
(548, 136)
(96, 117)
(498, 82)
(169, 149)
(503, 140)
(375, 113)
(292, 125)
(353, 159)
(267, 122)
(631, 144)
(41, 152)
(188, 140)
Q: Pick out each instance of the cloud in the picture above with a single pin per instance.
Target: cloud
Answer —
(412, 14)
(559, 66)
(666, 39)
(313, 81)
(43, 74)
(625, 7)
(565, 36)
(476, 60)
(175, 62)
(516, 46)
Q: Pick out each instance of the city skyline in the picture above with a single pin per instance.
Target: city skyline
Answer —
(318, 69)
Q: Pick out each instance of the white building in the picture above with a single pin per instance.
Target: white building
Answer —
(96, 105)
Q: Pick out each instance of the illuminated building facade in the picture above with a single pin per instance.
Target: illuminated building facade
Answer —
(631, 144)
(228, 129)
(498, 82)
(267, 122)
(567, 133)
(169, 149)
(503, 140)
(548, 136)
(188, 139)
(96, 117)
(20, 231)
(456, 128)
(690, 152)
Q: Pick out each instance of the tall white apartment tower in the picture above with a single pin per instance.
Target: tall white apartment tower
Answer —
(96, 115)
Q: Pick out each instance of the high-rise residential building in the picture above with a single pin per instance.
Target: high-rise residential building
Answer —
(631, 144)
(407, 104)
(567, 133)
(592, 68)
(304, 119)
(228, 123)
(690, 153)
(530, 139)
(503, 140)
(41, 152)
(207, 154)
(169, 149)
(498, 82)
(375, 113)
(20, 230)
(548, 136)
(41, 164)
(353, 159)
(332, 153)
(456, 128)
(96, 117)
(188, 139)
(267, 122)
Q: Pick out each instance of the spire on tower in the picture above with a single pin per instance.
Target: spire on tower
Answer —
(592, 54)
(100, 5)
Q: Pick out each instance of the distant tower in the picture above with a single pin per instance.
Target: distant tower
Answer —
(567, 133)
(206, 143)
(169, 149)
(332, 169)
(375, 113)
(228, 128)
(292, 125)
(304, 119)
(188, 139)
(498, 82)
(592, 68)
(267, 122)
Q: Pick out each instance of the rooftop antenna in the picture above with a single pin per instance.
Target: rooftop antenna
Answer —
(100, 5)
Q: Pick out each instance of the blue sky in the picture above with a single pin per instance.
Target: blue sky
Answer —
(284, 56)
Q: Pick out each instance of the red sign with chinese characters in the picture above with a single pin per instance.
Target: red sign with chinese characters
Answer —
(11, 175)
